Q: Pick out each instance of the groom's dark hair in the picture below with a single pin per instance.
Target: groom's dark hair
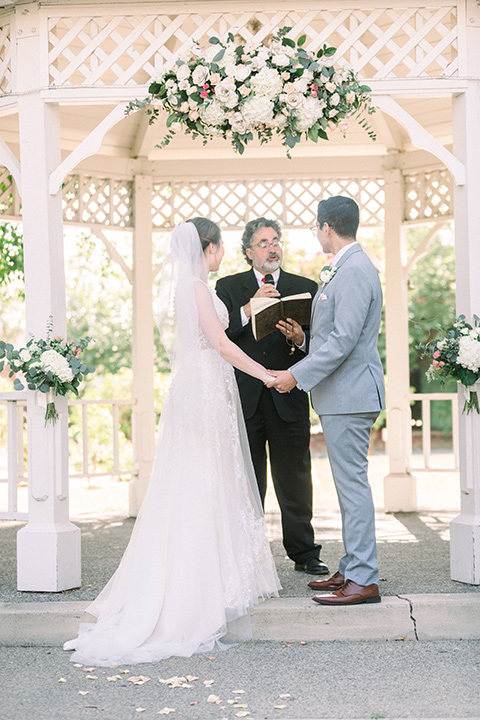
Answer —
(341, 213)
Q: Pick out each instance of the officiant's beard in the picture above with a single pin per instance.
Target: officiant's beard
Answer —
(272, 263)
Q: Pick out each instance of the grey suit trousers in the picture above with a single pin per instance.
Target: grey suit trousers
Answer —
(347, 438)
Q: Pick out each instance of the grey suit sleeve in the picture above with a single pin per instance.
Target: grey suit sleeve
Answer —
(352, 299)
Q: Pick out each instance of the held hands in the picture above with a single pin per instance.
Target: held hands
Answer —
(266, 290)
(281, 380)
(292, 330)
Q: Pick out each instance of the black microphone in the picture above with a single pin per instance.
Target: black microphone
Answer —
(268, 279)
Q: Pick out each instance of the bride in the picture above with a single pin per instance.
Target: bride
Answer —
(199, 557)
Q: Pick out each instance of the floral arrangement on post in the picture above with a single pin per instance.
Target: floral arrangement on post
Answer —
(51, 366)
(457, 355)
(234, 89)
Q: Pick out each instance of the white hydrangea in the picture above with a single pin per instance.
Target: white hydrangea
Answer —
(469, 353)
(55, 363)
(309, 113)
(258, 110)
(213, 114)
(267, 82)
(25, 355)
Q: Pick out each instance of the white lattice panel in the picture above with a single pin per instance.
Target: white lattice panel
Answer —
(8, 192)
(98, 201)
(5, 59)
(233, 203)
(428, 195)
(128, 50)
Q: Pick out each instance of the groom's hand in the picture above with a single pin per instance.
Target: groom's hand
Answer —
(284, 382)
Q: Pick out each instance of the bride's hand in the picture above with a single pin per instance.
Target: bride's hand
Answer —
(270, 379)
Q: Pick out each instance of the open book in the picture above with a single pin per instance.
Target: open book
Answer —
(267, 312)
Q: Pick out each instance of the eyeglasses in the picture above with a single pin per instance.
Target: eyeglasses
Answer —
(264, 244)
(314, 228)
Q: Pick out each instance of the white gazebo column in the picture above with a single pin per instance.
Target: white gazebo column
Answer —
(48, 547)
(143, 348)
(465, 529)
(400, 491)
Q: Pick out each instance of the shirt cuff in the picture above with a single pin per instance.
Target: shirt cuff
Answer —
(303, 346)
(243, 317)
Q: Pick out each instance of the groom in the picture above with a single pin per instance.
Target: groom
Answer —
(345, 376)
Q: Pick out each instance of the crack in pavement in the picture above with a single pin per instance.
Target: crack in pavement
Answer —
(410, 605)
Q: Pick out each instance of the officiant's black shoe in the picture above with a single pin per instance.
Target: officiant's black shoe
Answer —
(314, 566)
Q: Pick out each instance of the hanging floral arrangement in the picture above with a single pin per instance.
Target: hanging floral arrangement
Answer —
(456, 354)
(234, 90)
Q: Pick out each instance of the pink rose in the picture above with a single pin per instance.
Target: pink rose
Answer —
(436, 354)
(203, 94)
(176, 127)
(314, 93)
(285, 75)
(214, 78)
(343, 125)
(193, 115)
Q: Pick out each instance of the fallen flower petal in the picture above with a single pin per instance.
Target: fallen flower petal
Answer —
(83, 692)
(88, 669)
(140, 709)
(285, 695)
(91, 677)
(242, 713)
(207, 683)
(279, 707)
(62, 680)
(77, 665)
(166, 711)
(191, 678)
(213, 699)
(238, 692)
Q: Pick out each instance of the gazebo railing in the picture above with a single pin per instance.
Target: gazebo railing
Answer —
(16, 410)
(426, 399)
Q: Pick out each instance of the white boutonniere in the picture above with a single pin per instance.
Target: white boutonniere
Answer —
(327, 274)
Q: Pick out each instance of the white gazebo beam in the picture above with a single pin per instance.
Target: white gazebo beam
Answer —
(89, 146)
(8, 159)
(143, 348)
(465, 529)
(420, 137)
(48, 547)
(400, 488)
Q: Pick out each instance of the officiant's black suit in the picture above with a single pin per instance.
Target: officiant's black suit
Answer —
(281, 420)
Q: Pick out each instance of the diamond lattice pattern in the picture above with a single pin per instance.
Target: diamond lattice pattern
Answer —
(428, 195)
(233, 203)
(130, 49)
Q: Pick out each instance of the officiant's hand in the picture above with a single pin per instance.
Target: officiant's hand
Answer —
(292, 331)
(284, 382)
(266, 290)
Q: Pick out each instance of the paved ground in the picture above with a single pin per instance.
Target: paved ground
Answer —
(322, 680)
(413, 547)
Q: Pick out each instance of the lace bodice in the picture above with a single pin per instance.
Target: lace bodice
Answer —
(221, 309)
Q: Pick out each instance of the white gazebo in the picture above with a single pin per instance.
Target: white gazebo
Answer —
(70, 156)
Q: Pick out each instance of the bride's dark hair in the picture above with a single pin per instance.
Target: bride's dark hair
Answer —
(208, 231)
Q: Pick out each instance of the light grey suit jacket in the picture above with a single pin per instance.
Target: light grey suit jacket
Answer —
(343, 370)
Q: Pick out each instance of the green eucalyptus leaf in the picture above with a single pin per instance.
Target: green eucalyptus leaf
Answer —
(301, 40)
(219, 55)
(213, 40)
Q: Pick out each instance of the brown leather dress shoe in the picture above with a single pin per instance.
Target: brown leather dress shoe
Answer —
(350, 594)
(333, 583)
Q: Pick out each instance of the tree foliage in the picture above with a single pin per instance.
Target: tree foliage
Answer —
(11, 254)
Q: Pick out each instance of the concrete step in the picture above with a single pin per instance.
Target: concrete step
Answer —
(452, 616)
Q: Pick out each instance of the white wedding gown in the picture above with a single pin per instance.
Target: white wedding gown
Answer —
(199, 556)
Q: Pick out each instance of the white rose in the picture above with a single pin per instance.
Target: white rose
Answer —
(332, 113)
(267, 82)
(242, 72)
(350, 96)
(244, 90)
(263, 53)
(25, 355)
(301, 84)
(239, 124)
(230, 70)
(331, 87)
(257, 63)
(282, 60)
(335, 99)
(184, 85)
(213, 131)
(170, 82)
(182, 72)
(258, 110)
(464, 331)
(200, 75)
(295, 99)
(213, 114)
(225, 93)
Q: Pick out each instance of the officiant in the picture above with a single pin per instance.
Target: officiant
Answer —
(279, 421)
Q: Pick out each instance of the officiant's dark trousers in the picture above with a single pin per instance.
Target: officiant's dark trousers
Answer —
(290, 463)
